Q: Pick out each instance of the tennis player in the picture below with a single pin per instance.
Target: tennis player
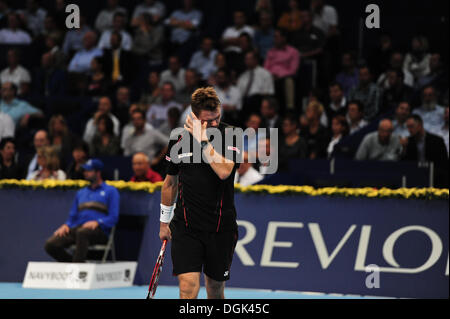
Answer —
(203, 230)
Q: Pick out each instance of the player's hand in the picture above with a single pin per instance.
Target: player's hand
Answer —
(62, 231)
(164, 232)
(93, 224)
(194, 126)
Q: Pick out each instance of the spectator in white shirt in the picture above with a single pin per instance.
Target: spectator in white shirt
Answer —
(431, 113)
(418, 60)
(402, 112)
(230, 37)
(355, 116)
(339, 129)
(229, 97)
(34, 16)
(247, 175)
(13, 34)
(174, 74)
(7, 126)
(104, 108)
(157, 113)
(325, 17)
(40, 140)
(203, 60)
(15, 73)
(118, 26)
(255, 80)
(104, 20)
(155, 8)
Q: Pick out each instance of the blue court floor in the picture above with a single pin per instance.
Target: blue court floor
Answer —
(15, 291)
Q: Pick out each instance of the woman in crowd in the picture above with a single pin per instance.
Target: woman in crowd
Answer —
(153, 91)
(292, 145)
(98, 82)
(105, 143)
(80, 155)
(61, 138)
(47, 158)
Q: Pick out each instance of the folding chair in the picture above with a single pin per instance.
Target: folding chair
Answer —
(108, 247)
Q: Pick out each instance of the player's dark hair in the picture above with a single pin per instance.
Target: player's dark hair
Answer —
(204, 99)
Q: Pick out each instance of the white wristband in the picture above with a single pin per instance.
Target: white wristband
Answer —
(166, 213)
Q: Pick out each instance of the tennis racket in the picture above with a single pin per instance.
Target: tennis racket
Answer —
(157, 271)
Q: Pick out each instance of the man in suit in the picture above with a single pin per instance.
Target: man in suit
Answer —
(118, 62)
(424, 146)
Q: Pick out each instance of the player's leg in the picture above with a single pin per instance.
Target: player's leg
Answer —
(214, 289)
(189, 285)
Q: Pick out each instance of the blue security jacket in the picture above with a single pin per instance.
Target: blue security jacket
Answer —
(103, 194)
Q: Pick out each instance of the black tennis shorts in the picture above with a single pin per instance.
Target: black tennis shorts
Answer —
(194, 250)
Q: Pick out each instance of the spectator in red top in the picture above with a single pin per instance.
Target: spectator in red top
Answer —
(142, 170)
(282, 61)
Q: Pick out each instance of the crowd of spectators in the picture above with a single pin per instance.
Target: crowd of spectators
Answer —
(130, 76)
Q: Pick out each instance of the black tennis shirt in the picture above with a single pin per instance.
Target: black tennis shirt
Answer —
(205, 202)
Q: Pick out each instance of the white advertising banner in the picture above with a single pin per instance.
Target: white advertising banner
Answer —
(56, 275)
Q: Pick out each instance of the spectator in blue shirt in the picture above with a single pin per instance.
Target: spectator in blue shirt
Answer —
(20, 111)
(81, 62)
(73, 40)
(203, 60)
(264, 34)
(94, 212)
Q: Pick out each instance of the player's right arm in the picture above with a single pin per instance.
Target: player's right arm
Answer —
(168, 196)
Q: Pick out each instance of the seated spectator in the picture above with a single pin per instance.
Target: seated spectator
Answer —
(367, 93)
(94, 212)
(220, 62)
(40, 140)
(230, 37)
(81, 62)
(157, 113)
(236, 60)
(49, 79)
(282, 62)
(381, 145)
(402, 112)
(396, 92)
(348, 78)
(20, 111)
(104, 20)
(145, 140)
(291, 20)
(155, 9)
(15, 73)
(418, 60)
(48, 161)
(424, 146)
(355, 116)
(246, 174)
(260, 7)
(9, 169)
(61, 138)
(118, 27)
(73, 41)
(122, 105)
(264, 34)
(325, 17)
(444, 129)
(339, 129)
(152, 93)
(255, 81)
(292, 145)
(80, 155)
(7, 126)
(104, 107)
(173, 118)
(308, 39)
(34, 16)
(148, 40)
(104, 143)
(254, 121)
(142, 170)
(174, 74)
(396, 63)
(184, 24)
(338, 102)
(430, 111)
(98, 82)
(437, 75)
(118, 62)
(203, 60)
(128, 129)
(315, 134)
(191, 83)
(13, 33)
(229, 97)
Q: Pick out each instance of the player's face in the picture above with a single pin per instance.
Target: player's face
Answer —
(211, 117)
